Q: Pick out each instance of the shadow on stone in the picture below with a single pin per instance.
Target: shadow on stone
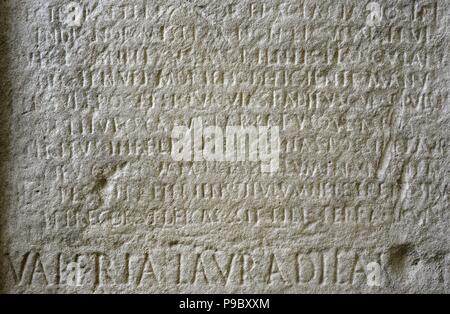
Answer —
(5, 144)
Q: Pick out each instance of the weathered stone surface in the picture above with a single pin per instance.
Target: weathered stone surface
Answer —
(102, 192)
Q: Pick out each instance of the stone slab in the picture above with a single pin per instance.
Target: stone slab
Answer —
(99, 195)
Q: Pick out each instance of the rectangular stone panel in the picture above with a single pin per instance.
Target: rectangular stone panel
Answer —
(224, 146)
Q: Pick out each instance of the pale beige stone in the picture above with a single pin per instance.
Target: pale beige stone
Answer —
(93, 201)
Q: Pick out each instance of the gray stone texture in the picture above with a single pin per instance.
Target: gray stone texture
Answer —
(93, 202)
